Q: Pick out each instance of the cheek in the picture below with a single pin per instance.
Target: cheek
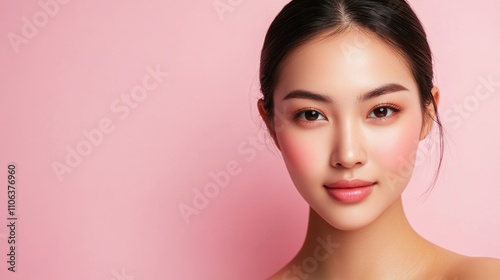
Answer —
(303, 153)
(396, 149)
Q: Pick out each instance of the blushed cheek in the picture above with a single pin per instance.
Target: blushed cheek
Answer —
(302, 155)
(395, 152)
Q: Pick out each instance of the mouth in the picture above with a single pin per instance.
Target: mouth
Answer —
(350, 191)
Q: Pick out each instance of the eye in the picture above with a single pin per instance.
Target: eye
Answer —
(309, 115)
(383, 112)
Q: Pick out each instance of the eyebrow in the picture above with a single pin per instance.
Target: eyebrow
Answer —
(385, 89)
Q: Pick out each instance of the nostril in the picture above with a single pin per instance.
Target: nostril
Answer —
(338, 165)
(346, 164)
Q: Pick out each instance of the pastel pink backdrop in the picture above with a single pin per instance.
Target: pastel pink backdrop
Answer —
(116, 215)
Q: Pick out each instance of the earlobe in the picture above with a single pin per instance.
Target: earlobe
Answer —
(429, 118)
(267, 121)
(435, 94)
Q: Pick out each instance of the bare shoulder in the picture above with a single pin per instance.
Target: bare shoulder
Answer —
(476, 268)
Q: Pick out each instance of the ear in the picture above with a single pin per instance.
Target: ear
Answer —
(269, 123)
(428, 122)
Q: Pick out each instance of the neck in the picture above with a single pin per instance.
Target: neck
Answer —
(388, 248)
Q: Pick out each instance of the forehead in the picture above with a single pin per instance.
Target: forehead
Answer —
(353, 61)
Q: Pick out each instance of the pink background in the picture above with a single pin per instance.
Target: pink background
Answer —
(116, 215)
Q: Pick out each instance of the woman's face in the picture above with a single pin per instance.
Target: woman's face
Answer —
(347, 107)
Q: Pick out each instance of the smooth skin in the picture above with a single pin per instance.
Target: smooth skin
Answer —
(338, 130)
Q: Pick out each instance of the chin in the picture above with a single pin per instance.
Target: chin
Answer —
(348, 222)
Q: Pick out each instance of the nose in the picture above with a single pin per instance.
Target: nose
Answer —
(348, 146)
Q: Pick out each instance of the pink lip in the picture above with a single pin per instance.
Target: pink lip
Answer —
(350, 191)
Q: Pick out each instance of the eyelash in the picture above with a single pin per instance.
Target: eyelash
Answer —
(391, 106)
(298, 113)
(395, 108)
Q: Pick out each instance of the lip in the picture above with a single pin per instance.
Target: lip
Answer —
(350, 191)
(346, 184)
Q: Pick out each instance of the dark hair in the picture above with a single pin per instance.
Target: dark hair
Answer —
(392, 20)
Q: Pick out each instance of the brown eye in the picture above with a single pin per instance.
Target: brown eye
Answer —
(310, 115)
(383, 112)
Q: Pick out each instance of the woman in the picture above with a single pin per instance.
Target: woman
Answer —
(348, 94)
